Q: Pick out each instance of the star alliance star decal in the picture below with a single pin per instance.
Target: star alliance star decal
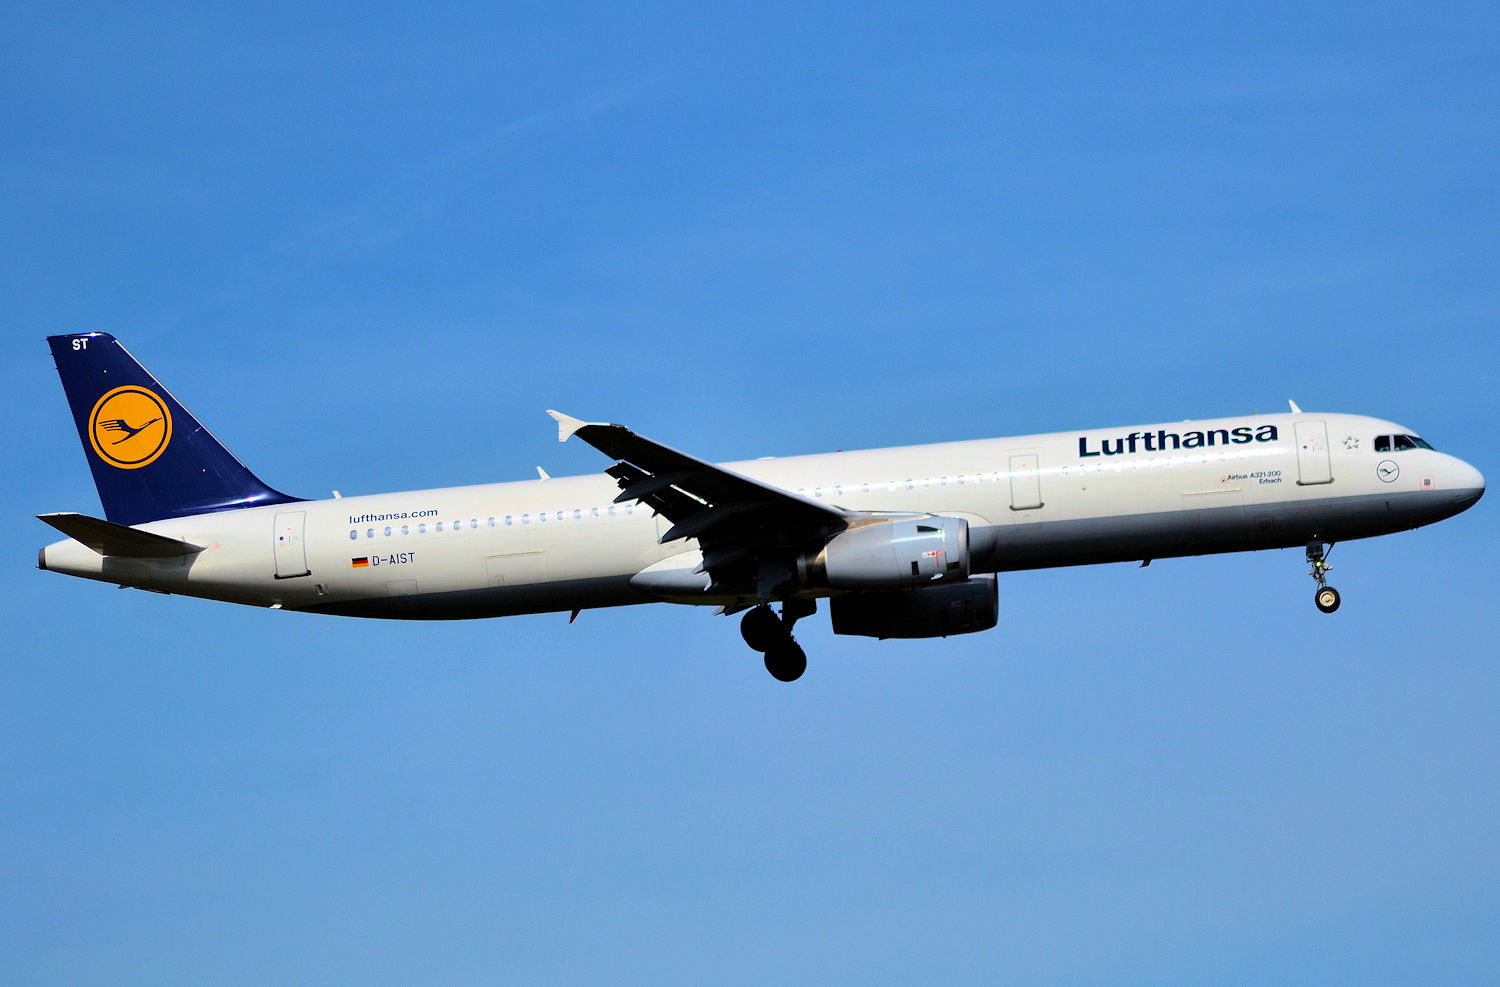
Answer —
(1351, 442)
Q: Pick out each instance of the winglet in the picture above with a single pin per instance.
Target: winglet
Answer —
(566, 425)
(1295, 410)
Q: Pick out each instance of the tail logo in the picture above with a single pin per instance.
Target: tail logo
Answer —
(130, 427)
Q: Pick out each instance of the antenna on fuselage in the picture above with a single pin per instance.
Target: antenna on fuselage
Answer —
(1295, 410)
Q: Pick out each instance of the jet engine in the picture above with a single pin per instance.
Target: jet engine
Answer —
(893, 554)
(933, 611)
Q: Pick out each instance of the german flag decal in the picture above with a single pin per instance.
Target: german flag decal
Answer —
(362, 562)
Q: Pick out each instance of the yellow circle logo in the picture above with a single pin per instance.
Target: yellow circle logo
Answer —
(130, 427)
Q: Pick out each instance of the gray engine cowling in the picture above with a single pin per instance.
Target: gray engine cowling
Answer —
(891, 555)
(934, 611)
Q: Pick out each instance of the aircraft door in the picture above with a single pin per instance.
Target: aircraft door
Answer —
(291, 553)
(1214, 521)
(517, 569)
(402, 598)
(1313, 465)
(1025, 483)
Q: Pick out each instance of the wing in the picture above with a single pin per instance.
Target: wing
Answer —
(750, 532)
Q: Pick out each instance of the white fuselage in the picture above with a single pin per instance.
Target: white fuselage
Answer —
(1031, 501)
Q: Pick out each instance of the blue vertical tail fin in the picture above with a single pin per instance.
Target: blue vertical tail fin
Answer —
(150, 457)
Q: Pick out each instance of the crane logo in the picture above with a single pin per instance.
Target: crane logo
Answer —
(130, 427)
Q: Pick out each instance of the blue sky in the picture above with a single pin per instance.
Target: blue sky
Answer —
(368, 246)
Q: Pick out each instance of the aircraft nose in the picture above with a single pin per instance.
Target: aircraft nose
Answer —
(1468, 486)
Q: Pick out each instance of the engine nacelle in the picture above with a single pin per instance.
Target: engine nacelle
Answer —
(934, 611)
(891, 555)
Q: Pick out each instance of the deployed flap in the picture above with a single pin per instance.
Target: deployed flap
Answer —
(108, 538)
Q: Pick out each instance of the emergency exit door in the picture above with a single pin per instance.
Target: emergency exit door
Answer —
(1025, 483)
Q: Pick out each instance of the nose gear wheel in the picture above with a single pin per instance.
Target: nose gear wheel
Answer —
(1326, 598)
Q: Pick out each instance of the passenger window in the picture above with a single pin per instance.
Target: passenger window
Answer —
(354, 536)
(387, 532)
(438, 527)
(473, 524)
(508, 520)
(406, 529)
(421, 529)
(594, 512)
(370, 533)
(525, 518)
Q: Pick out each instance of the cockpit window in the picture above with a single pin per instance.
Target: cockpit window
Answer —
(1399, 443)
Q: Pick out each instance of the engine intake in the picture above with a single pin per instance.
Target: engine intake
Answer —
(891, 555)
(934, 611)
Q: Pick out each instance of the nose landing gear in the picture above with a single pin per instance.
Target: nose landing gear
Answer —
(1326, 597)
(772, 635)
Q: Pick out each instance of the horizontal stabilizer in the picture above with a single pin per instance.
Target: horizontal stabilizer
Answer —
(108, 538)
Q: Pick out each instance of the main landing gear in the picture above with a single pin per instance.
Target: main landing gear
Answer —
(1326, 597)
(772, 635)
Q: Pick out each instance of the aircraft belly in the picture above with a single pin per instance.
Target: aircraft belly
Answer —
(1200, 529)
(490, 601)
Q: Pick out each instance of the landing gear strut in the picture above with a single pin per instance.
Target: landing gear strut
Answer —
(1326, 597)
(772, 635)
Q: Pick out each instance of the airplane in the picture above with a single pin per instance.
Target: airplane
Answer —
(900, 542)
